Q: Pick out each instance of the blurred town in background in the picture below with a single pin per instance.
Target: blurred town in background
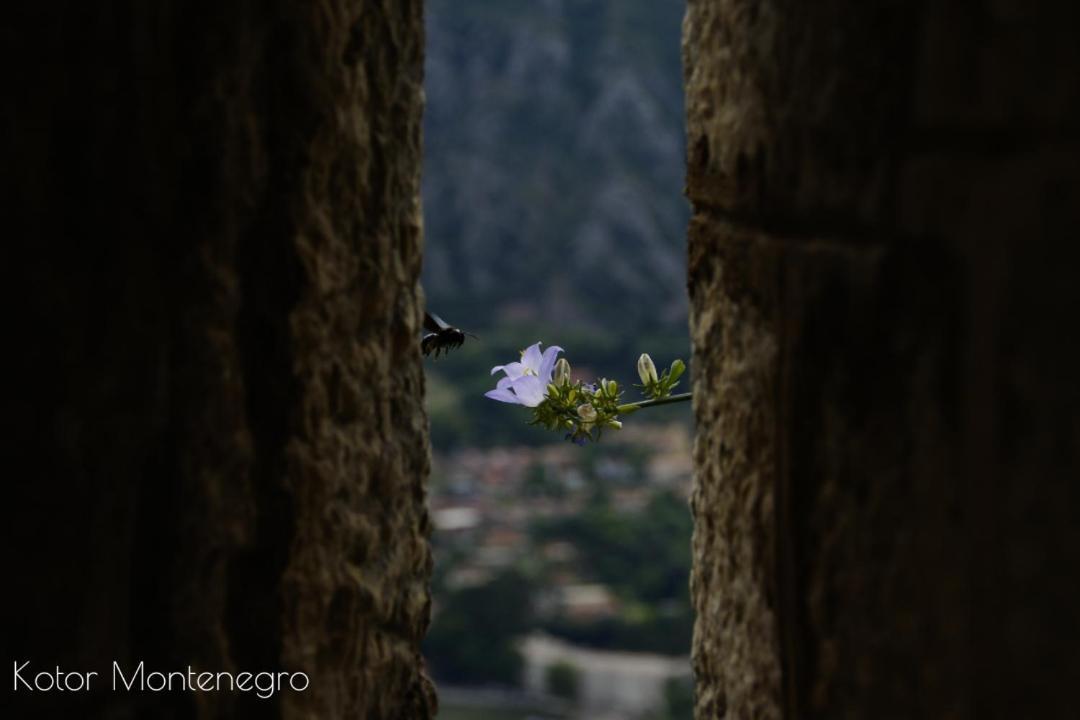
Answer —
(554, 152)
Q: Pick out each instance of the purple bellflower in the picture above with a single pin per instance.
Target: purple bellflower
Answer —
(526, 382)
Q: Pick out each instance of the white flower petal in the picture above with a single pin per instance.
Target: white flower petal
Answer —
(513, 370)
(530, 390)
(547, 363)
(503, 395)
(532, 358)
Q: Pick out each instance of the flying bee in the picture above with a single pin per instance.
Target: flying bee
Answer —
(441, 338)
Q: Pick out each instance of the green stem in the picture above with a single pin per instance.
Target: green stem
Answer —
(635, 406)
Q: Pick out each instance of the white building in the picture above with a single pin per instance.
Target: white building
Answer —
(612, 685)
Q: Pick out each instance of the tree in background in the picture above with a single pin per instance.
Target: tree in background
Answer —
(473, 639)
(563, 679)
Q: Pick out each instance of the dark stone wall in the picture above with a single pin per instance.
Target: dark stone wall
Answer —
(882, 278)
(219, 449)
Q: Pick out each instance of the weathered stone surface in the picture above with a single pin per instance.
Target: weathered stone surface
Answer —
(222, 427)
(886, 202)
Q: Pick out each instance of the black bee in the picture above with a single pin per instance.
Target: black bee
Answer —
(441, 338)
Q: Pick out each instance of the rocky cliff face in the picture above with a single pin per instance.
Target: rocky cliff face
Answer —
(881, 259)
(221, 426)
(553, 174)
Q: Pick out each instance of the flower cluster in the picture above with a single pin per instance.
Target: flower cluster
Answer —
(582, 410)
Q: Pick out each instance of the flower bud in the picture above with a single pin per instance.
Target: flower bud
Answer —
(561, 376)
(646, 369)
(587, 413)
(677, 369)
(611, 388)
(615, 424)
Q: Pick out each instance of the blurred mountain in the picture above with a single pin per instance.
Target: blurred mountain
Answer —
(553, 167)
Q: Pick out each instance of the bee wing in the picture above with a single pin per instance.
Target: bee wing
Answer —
(434, 323)
(428, 343)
